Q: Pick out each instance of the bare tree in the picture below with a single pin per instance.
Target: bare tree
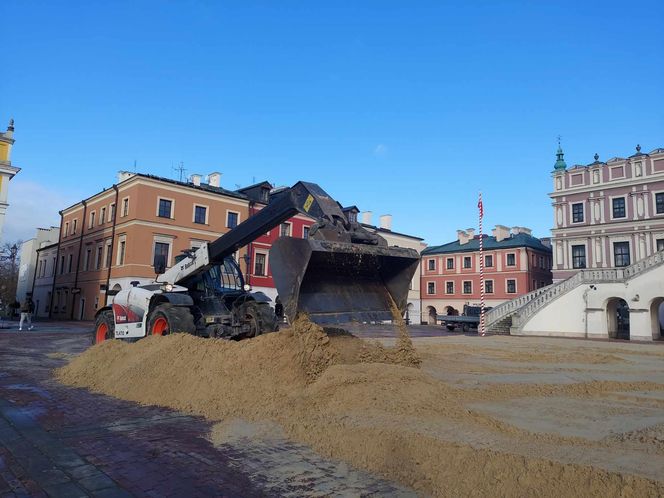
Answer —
(9, 264)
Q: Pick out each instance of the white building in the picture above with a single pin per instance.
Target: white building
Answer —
(29, 260)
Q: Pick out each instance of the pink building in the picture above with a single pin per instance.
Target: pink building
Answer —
(515, 263)
(607, 214)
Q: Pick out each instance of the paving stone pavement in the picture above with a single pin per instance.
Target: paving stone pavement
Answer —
(66, 442)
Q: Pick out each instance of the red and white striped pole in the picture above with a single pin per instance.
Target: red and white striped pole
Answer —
(480, 207)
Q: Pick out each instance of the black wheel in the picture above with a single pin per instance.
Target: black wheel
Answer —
(168, 319)
(259, 319)
(269, 319)
(466, 328)
(104, 327)
(450, 327)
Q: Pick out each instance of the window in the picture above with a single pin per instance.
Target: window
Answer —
(125, 206)
(66, 229)
(164, 208)
(69, 262)
(108, 255)
(121, 251)
(285, 230)
(511, 259)
(511, 286)
(432, 264)
(578, 256)
(577, 213)
(352, 216)
(467, 262)
(488, 261)
(450, 263)
(86, 264)
(660, 244)
(92, 219)
(449, 287)
(231, 219)
(621, 253)
(161, 249)
(112, 218)
(62, 264)
(265, 194)
(98, 260)
(200, 214)
(659, 203)
(488, 286)
(259, 264)
(541, 261)
(305, 232)
(619, 207)
(75, 223)
(467, 287)
(431, 287)
(102, 215)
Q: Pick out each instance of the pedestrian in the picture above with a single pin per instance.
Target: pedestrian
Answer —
(27, 308)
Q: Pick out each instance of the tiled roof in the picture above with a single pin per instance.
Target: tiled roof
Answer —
(203, 186)
(489, 242)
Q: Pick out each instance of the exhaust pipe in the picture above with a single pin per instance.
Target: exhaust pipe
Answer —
(338, 282)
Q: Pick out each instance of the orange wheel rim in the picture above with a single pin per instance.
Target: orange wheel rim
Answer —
(160, 326)
(102, 330)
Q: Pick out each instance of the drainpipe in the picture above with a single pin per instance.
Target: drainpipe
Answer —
(115, 222)
(78, 258)
(55, 267)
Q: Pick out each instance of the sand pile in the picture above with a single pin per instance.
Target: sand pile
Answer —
(341, 395)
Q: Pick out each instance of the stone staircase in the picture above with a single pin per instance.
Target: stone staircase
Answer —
(517, 311)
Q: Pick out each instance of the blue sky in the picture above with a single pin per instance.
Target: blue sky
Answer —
(406, 108)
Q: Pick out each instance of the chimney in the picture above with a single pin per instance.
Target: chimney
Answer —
(501, 232)
(463, 237)
(471, 233)
(386, 221)
(214, 179)
(366, 217)
(196, 179)
(124, 175)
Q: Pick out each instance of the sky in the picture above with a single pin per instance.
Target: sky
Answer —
(403, 108)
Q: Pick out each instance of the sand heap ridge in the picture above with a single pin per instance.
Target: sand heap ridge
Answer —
(345, 397)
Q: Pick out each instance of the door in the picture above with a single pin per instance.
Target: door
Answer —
(81, 309)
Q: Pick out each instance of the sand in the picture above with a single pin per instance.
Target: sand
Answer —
(369, 405)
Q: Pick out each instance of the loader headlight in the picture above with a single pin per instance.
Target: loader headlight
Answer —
(167, 287)
(247, 287)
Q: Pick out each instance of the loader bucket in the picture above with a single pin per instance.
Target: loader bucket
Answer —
(337, 282)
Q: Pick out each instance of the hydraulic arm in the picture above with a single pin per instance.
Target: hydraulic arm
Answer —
(342, 272)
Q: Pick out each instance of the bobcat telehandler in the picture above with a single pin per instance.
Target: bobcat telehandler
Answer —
(341, 273)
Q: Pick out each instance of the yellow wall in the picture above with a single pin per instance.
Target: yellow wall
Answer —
(4, 152)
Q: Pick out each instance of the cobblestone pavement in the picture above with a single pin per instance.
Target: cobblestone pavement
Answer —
(60, 441)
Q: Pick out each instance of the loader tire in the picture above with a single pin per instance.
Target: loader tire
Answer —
(104, 327)
(168, 319)
(261, 319)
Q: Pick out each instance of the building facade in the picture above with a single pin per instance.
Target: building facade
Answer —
(110, 240)
(27, 272)
(607, 214)
(515, 263)
(7, 171)
(46, 257)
